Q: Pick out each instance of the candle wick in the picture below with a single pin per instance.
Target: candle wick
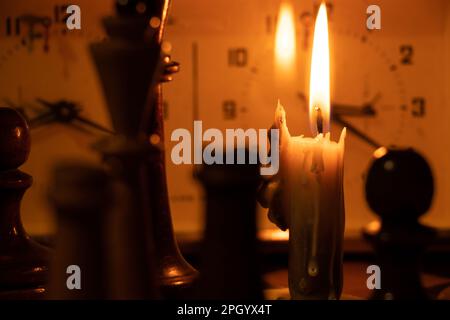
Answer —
(319, 120)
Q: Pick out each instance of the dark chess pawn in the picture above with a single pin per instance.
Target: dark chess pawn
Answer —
(229, 265)
(81, 195)
(23, 262)
(399, 189)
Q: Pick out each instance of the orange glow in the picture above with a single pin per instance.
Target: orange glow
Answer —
(319, 85)
(273, 235)
(285, 41)
(380, 152)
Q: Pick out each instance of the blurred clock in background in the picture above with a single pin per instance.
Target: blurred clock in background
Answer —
(389, 86)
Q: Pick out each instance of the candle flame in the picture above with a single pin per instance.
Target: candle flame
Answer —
(319, 86)
(285, 41)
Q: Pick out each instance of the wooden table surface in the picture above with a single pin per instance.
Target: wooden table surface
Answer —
(354, 279)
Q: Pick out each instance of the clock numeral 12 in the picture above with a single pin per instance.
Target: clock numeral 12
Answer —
(418, 107)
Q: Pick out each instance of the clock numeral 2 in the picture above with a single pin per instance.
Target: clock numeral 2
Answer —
(418, 107)
(406, 52)
(237, 57)
(229, 108)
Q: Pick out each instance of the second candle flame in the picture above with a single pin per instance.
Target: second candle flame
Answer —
(285, 42)
(319, 85)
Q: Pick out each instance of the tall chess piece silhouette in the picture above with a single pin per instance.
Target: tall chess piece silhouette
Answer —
(229, 260)
(81, 195)
(132, 67)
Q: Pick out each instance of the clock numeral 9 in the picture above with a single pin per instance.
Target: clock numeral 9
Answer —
(418, 107)
(229, 108)
(237, 57)
(406, 52)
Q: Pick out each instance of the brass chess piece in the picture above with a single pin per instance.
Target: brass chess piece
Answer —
(132, 67)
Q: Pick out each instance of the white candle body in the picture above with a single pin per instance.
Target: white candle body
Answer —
(311, 173)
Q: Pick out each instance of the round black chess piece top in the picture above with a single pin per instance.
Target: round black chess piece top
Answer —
(399, 185)
(399, 189)
(15, 139)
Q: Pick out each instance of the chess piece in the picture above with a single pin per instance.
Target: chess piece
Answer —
(130, 54)
(133, 52)
(23, 262)
(176, 275)
(399, 189)
(81, 195)
(229, 267)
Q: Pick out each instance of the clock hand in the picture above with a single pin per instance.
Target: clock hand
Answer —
(93, 124)
(366, 110)
(46, 103)
(79, 127)
(68, 112)
(356, 131)
(41, 119)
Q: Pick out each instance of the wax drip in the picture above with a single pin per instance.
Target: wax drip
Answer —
(312, 266)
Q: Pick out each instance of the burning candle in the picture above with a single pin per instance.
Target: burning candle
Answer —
(311, 186)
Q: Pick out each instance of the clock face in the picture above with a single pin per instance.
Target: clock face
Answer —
(388, 86)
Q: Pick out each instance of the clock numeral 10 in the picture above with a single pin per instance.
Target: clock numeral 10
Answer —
(237, 57)
(418, 107)
(229, 108)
